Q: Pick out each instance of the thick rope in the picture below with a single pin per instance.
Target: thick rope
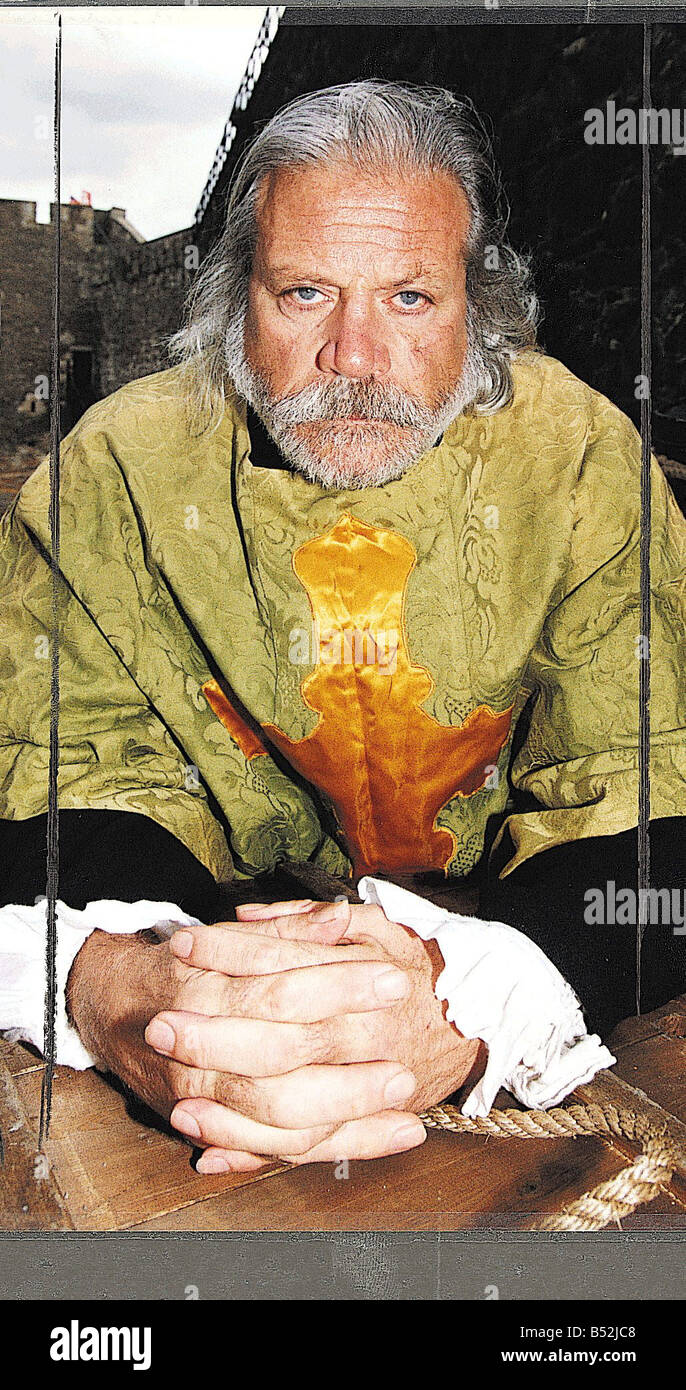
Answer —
(636, 1184)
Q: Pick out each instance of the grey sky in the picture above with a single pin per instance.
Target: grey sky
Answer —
(145, 95)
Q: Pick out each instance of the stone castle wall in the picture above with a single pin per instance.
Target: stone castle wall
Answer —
(120, 299)
(576, 208)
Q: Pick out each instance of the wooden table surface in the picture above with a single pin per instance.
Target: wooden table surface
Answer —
(107, 1168)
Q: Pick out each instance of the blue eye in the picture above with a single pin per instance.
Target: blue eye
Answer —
(410, 298)
(306, 293)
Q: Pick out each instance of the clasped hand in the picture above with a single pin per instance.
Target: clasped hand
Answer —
(304, 1031)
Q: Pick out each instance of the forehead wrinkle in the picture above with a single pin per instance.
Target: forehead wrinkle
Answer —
(410, 236)
(358, 222)
(374, 224)
(374, 213)
(358, 213)
(410, 259)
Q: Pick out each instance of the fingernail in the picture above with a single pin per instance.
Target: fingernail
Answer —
(335, 912)
(390, 984)
(187, 1124)
(181, 943)
(407, 1137)
(160, 1035)
(263, 909)
(399, 1088)
(214, 1164)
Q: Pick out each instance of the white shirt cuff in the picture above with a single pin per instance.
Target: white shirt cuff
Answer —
(500, 987)
(23, 933)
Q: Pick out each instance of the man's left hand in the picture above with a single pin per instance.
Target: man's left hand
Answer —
(413, 1032)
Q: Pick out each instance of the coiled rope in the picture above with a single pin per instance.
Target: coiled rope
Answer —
(609, 1201)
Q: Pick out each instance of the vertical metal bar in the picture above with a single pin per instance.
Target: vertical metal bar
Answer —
(52, 876)
(646, 403)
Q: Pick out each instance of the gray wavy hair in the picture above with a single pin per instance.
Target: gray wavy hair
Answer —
(373, 125)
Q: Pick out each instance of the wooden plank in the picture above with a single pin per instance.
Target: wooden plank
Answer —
(19, 1057)
(452, 1182)
(609, 1088)
(113, 1167)
(466, 1182)
(669, 1020)
(117, 1173)
(650, 1075)
(657, 1067)
(30, 1198)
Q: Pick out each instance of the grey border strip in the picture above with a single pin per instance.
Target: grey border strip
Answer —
(474, 12)
(497, 1265)
(445, 12)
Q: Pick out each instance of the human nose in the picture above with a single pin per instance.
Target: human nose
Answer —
(355, 346)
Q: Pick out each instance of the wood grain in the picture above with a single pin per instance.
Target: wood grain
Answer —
(113, 1166)
(451, 1183)
(30, 1197)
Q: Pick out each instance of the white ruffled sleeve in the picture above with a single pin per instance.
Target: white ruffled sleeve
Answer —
(23, 932)
(500, 987)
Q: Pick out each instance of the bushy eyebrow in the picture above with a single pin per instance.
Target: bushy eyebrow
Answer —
(418, 272)
(290, 272)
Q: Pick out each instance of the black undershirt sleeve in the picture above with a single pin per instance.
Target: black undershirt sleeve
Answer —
(105, 854)
(547, 899)
(126, 856)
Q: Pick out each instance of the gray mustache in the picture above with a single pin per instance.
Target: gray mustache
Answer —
(371, 401)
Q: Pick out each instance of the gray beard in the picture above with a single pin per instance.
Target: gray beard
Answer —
(314, 432)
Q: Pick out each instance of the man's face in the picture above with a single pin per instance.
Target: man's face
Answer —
(355, 333)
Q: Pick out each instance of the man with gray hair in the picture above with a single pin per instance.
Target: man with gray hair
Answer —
(359, 445)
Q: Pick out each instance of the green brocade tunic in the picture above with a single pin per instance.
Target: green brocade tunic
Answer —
(202, 678)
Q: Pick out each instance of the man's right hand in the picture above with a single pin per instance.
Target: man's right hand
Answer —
(282, 1100)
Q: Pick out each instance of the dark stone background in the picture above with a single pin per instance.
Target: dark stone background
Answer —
(576, 207)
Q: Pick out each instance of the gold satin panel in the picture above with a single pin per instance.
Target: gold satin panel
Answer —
(248, 741)
(386, 766)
